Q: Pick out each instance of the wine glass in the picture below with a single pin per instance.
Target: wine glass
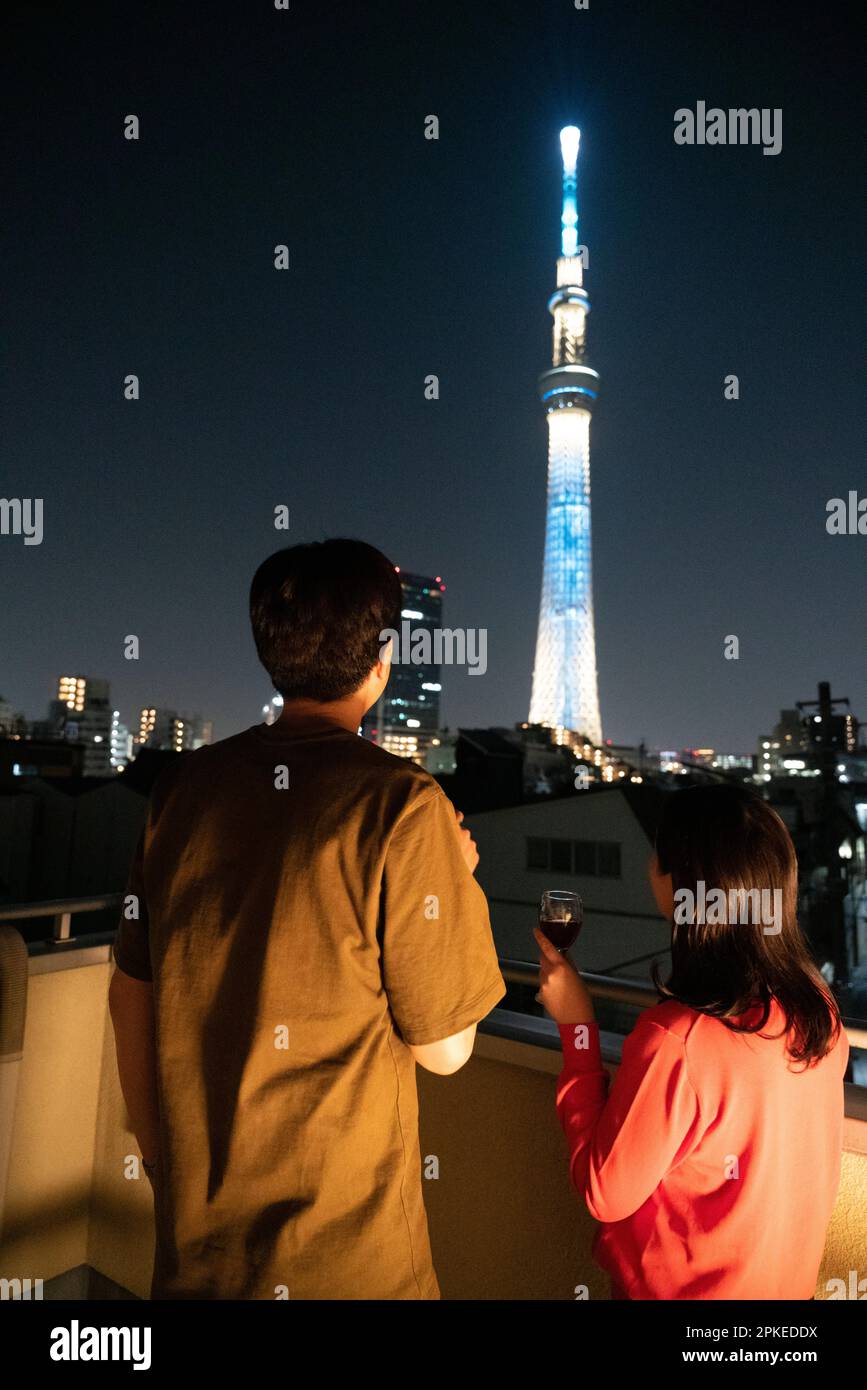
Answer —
(561, 917)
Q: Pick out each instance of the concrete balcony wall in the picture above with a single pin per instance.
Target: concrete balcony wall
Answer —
(846, 1242)
(504, 1220)
(48, 1198)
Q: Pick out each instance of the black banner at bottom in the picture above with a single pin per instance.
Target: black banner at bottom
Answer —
(81, 1338)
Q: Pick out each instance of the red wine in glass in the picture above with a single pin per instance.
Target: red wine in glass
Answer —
(561, 917)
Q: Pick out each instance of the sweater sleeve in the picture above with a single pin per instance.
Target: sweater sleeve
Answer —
(622, 1145)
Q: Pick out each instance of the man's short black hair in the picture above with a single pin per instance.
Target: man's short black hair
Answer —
(317, 611)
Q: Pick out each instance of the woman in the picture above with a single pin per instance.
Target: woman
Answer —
(713, 1165)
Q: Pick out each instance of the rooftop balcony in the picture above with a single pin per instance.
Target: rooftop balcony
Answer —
(504, 1221)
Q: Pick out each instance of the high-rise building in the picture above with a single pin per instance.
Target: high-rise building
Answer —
(405, 719)
(121, 743)
(177, 733)
(565, 691)
(783, 752)
(838, 731)
(797, 743)
(82, 711)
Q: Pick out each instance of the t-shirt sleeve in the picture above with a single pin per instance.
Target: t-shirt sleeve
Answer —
(623, 1144)
(439, 962)
(131, 946)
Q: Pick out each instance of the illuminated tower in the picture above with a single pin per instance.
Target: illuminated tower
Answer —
(565, 693)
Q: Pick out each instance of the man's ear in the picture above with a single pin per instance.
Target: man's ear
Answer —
(382, 668)
(377, 680)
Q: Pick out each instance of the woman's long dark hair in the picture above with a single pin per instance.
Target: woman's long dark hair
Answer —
(729, 839)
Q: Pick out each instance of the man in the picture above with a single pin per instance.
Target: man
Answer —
(302, 927)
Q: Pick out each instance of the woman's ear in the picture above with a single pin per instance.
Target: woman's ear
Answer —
(662, 888)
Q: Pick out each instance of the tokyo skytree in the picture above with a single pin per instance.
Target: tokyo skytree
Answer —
(565, 693)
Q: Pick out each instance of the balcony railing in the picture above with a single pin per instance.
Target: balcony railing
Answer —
(61, 911)
(609, 987)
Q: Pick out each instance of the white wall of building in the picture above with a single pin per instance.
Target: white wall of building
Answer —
(621, 919)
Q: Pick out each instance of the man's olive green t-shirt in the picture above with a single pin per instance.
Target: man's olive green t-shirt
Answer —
(304, 912)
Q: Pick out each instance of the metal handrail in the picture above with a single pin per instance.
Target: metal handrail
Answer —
(61, 910)
(517, 972)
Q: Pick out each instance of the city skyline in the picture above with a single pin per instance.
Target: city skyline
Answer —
(199, 726)
(261, 388)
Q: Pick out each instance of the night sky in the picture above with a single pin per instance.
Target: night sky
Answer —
(410, 257)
